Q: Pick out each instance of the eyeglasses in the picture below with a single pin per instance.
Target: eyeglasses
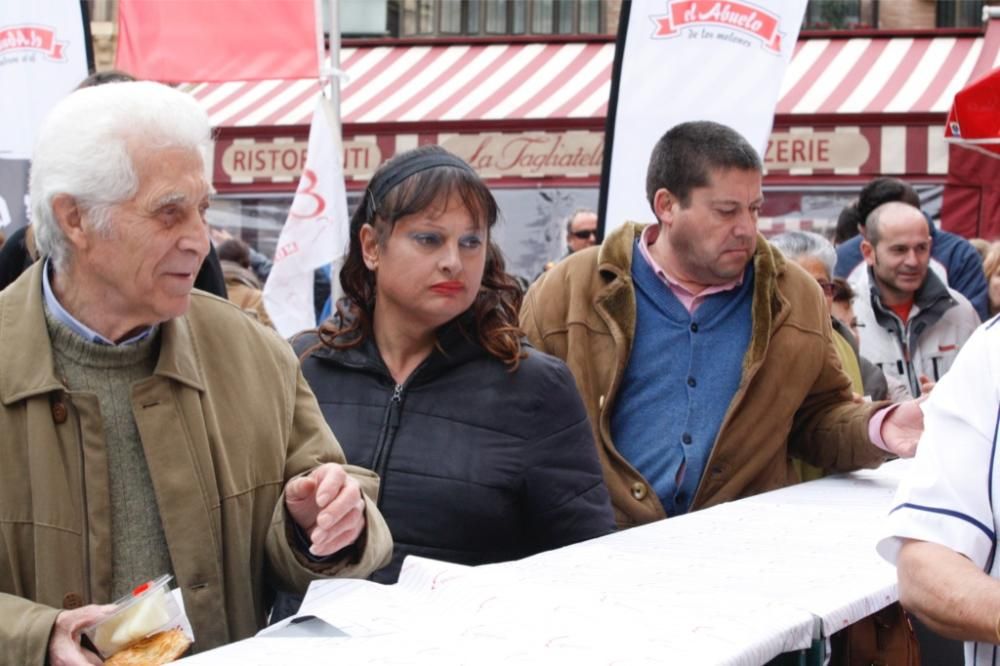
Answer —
(828, 287)
(584, 234)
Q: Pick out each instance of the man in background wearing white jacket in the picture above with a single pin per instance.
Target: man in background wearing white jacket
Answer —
(912, 325)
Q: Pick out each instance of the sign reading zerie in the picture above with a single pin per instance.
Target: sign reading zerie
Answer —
(738, 18)
(31, 38)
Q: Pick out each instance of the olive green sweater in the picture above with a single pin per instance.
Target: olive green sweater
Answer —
(139, 547)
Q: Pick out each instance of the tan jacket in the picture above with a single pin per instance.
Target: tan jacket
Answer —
(793, 396)
(220, 441)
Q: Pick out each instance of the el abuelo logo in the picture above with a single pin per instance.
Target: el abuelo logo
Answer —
(748, 19)
(31, 38)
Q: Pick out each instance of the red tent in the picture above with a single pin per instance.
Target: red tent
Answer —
(971, 204)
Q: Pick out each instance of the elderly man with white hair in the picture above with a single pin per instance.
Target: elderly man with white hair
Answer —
(816, 255)
(135, 439)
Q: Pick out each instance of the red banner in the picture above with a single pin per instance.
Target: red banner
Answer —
(217, 40)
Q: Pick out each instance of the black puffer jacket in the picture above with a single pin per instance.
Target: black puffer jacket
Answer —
(477, 464)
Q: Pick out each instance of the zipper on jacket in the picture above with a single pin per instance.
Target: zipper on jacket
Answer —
(912, 381)
(904, 366)
(390, 423)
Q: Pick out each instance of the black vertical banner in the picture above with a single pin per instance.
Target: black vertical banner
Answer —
(609, 128)
(88, 38)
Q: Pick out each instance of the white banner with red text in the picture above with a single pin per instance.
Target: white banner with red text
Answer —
(43, 56)
(684, 60)
(315, 234)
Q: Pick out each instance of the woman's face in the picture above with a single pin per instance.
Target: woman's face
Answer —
(430, 268)
(995, 291)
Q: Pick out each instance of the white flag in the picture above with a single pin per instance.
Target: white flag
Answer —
(315, 234)
(683, 60)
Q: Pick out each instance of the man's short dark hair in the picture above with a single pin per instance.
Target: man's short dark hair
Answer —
(684, 157)
(848, 223)
(883, 190)
(234, 250)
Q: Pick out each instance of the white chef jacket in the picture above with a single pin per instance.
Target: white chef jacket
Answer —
(952, 493)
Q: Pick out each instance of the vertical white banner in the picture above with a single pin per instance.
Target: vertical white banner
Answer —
(315, 234)
(43, 56)
(689, 60)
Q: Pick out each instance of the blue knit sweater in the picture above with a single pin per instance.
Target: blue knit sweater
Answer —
(682, 374)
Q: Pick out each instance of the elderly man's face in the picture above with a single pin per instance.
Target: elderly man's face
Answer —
(146, 264)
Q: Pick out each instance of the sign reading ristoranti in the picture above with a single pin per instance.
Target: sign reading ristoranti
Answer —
(43, 57)
(685, 60)
(282, 160)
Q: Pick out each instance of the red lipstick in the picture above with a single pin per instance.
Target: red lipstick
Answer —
(448, 288)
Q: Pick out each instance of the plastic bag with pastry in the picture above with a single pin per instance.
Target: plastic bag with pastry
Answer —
(150, 609)
(160, 648)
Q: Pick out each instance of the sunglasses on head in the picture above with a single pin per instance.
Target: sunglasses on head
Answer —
(584, 234)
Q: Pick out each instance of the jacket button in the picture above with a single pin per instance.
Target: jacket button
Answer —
(72, 600)
(686, 438)
(691, 382)
(59, 412)
(638, 490)
(694, 327)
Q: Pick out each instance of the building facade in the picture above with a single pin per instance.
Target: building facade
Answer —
(520, 89)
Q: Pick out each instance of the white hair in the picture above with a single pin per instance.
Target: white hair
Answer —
(797, 244)
(83, 150)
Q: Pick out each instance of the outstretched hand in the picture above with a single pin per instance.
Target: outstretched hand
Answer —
(328, 506)
(902, 428)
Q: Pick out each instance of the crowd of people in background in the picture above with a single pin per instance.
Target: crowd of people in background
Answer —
(440, 409)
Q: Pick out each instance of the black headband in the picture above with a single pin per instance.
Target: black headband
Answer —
(412, 165)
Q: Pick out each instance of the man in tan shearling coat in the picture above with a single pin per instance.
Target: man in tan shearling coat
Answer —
(146, 429)
(704, 358)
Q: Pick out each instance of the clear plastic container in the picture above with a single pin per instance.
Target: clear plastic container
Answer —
(149, 609)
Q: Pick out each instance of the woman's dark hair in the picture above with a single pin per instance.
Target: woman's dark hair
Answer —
(842, 291)
(407, 184)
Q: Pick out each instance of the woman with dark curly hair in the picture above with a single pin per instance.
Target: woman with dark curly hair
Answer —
(481, 442)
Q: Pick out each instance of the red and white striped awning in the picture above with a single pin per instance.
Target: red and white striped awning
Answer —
(879, 75)
(484, 82)
(432, 83)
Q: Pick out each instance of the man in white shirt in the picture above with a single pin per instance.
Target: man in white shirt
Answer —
(944, 520)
